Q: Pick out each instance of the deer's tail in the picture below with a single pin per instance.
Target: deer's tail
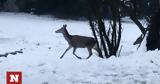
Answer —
(95, 47)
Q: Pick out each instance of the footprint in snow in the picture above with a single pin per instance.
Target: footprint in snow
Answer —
(45, 83)
(140, 82)
(40, 65)
(42, 71)
(54, 72)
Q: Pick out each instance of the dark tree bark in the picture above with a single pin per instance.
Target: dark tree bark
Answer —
(140, 26)
(153, 39)
(95, 36)
(131, 10)
(108, 37)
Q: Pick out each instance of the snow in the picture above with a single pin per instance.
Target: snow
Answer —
(142, 46)
(42, 47)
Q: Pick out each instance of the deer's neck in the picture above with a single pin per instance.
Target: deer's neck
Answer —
(67, 36)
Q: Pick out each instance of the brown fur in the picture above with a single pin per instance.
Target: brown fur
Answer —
(76, 41)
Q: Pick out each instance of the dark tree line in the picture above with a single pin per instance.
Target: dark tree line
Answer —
(73, 8)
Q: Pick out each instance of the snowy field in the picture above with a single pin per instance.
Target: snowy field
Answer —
(42, 48)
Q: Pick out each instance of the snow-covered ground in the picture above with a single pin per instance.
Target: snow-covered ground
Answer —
(42, 48)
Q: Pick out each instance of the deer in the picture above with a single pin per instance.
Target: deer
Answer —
(77, 41)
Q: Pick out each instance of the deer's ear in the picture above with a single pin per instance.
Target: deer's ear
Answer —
(65, 25)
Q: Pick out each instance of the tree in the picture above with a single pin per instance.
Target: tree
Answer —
(11, 6)
(26, 5)
(138, 9)
(153, 38)
(108, 37)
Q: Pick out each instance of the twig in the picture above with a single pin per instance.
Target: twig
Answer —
(12, 53)
(120, 50)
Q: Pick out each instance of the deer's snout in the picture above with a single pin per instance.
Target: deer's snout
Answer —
(56, 31)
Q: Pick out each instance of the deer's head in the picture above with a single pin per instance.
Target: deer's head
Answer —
(62, 29)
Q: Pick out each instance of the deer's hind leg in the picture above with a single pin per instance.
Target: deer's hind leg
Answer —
(90, 52)
(74, 49)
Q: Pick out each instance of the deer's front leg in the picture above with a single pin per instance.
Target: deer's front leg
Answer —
(65, 52)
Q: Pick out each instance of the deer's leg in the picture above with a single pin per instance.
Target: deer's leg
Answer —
(65, 52)
(90, 52)
(74, 49)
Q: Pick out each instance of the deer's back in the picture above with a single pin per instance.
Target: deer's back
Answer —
(82, 41)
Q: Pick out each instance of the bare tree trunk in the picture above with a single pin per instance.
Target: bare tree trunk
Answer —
(140, 26)
(111, 37)
(95, 36)
(153, 38)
